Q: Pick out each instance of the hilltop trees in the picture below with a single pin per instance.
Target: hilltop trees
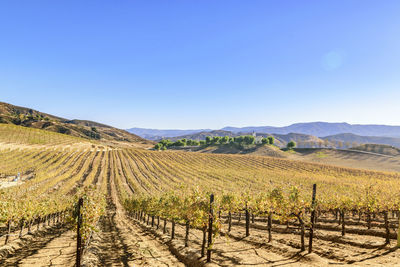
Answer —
(215, 140)
(291, 145)
(208, 140)
(271, 140)
(225, 140)
(166, 143)
(240, 142)
(268, 140)
(244, 140)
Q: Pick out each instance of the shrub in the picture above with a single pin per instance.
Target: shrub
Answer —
(158, 146)
(291, 145)
(271, 140)
(208, 140)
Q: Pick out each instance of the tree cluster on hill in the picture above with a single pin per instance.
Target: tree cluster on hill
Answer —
(270, 140)
(291, 145)
(19, 118)
(239, 141)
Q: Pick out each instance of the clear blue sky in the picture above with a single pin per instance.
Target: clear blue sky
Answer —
(203, 64)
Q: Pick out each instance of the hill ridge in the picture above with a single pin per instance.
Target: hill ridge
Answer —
(23, 116)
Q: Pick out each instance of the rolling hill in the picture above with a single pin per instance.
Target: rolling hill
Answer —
(379, 149)
(353, 138)
(10, 114)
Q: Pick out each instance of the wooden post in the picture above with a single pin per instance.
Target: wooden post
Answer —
(187, 234)
(30, 223)
(269, 227)
(203, 244)
(369, 220)
(343, 222)
(22, 223)
(398, 234)
(247, 221)
(79, 238)
(210, 228)
(173, 230)
(8, 231)
(387, 229)
(229, 221)
(312, 218)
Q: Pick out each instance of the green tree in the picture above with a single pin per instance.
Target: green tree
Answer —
(216, 140)
(249, 139)
(271, 140)
(264, 141)
(291, 145)
(195, 143)
(208, 140)
(166, 142)
(225, 140)
(158, 146)
(179, 143)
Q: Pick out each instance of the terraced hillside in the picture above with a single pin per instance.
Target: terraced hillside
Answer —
(130, 193)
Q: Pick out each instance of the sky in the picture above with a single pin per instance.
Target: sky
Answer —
(189, 64)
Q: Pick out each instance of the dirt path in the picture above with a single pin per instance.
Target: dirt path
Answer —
(121, 243)
(228, 251)
(59, 252)
(56, 247)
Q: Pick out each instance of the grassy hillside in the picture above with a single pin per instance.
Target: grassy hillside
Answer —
(10, 114)
(14, 134)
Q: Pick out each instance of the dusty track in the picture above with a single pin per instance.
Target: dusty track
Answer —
(53, 247)
(121, 243)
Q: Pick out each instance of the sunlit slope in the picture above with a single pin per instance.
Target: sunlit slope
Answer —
(13, 134)
(151, 172)
(89, 130)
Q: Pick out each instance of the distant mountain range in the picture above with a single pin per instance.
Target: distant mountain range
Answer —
(305, 134)
(155, 134)
(319, 129)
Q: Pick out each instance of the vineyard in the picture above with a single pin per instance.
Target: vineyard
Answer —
(158, 208)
